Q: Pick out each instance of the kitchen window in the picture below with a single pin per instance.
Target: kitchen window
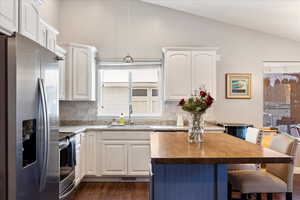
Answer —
(121, 87)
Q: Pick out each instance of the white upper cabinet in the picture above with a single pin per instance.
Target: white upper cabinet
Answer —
(62, 72)
(29, 19)
(177, 74)
(51, 38)
(47, 35)
(43, 33)
(187, 70)
(204, 70)
(8, 16)
(81, 70)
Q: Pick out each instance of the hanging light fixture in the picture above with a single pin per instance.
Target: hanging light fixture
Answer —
(128, 58)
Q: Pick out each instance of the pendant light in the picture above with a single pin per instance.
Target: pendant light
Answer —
(128, 58)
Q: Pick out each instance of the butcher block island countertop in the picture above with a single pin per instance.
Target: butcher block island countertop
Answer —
(183, 171)
(217, 148)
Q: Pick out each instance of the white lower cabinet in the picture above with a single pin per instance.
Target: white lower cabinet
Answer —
(90, 155)
(125, 158)
(114, 158)
(113, 154)
(82, 156)
(138, 158)
(123, 153)
(78, 159)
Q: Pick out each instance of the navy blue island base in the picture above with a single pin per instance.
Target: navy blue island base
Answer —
(189, 182)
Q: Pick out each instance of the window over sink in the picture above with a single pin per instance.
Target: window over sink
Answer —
(124, 86)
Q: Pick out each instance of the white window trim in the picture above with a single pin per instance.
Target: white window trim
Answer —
(135, 116)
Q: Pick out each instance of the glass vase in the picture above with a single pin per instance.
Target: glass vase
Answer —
(197, 127)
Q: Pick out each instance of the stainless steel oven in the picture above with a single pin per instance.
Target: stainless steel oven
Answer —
(67, 169)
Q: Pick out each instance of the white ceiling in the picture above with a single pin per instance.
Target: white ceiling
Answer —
(278, 17)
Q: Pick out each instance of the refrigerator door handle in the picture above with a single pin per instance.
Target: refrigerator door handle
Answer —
(45, 134)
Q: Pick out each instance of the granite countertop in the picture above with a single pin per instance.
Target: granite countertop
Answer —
(69, 131)
(173, 148)
(78, 129)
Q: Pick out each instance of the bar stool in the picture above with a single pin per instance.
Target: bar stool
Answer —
(253, 135)
(277, 178)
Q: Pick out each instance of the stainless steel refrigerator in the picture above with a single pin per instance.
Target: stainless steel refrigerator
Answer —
(30, 120)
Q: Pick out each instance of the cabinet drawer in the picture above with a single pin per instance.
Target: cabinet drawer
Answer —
(124, 135)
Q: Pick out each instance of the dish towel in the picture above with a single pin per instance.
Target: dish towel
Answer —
(72, 152)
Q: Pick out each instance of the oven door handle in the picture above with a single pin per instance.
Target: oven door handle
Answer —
(68, 191)
(64, 144)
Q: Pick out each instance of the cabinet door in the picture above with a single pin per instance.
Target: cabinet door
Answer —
(114, 158)
(204, 70)
(82, 74)
(29, 19)
(78, 166)
(177, 75)
(138, 158)
(51, 40)
(43, 33)
(8, 16)
(91, 153)
(83, 156)
(62, 79)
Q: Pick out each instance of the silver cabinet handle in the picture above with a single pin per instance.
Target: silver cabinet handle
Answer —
(45, 134)
(150, 169)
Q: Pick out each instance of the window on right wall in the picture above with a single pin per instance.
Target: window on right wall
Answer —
(282, 96)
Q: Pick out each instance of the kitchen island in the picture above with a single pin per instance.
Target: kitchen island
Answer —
(199, 171)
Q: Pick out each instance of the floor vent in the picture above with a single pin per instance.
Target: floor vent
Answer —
(128, 178)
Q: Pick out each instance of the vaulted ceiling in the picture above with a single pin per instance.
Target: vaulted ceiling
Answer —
(278, 17)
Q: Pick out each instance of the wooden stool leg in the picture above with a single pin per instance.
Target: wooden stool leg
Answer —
(229, 192)
(258, 196)
(270, 196)
(244, 197)
(289, 196)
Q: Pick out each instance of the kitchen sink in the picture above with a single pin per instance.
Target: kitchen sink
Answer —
(129, 126)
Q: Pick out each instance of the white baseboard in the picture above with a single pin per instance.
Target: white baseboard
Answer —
(297, 170)
(115, 179)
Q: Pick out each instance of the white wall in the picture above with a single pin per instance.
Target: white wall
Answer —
(103, 23)
(49, 12)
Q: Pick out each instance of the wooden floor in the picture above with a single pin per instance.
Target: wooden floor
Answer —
(137, 191)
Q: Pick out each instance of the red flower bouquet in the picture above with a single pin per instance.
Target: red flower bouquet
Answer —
(197, 105)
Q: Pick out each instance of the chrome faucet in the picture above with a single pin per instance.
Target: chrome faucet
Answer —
(130, 121)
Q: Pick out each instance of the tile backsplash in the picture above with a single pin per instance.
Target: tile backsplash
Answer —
(84, 112)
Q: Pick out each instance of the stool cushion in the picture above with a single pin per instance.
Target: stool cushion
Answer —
(258, 181)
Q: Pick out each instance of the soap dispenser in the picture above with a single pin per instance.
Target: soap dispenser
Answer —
(122, 119)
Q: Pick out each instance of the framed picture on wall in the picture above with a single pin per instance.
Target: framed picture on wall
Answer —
(238, 86)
